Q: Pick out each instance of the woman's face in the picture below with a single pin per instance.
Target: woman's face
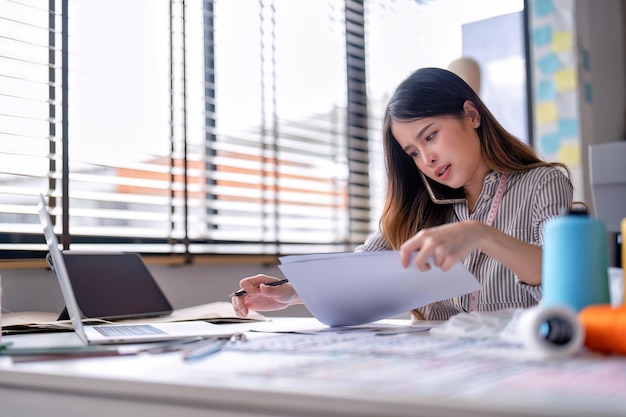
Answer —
(445, 148)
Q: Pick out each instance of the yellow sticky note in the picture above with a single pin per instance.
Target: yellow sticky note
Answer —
(562, 42)
(546, 112)
(569, 154)
(565, 80)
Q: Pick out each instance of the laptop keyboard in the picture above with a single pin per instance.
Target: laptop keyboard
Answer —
(134, 330)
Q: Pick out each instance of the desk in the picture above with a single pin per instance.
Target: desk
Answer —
(437, 377)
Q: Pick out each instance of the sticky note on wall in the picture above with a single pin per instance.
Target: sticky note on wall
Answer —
(542, 35)
(549, 144)
(565, 80)
(543, 7)
(569, 154)
(568, 128)
(562, 42)
(546, 90)
(546, 112)
(549, 64)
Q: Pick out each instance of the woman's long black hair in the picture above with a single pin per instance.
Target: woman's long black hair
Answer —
(434, 92)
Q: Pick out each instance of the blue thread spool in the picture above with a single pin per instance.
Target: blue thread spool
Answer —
(575, 261)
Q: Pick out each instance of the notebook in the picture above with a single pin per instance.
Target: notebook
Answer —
(115, 333)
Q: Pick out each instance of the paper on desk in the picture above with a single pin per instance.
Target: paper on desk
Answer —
(309, 325)
(354, 288)
(219, 311)
(31, 321)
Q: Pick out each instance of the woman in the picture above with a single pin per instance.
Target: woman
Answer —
(437, 125)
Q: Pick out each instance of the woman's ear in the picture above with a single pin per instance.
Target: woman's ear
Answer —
(472, 113)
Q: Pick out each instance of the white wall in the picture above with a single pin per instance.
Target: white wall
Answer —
(601, 30)
(187, 285)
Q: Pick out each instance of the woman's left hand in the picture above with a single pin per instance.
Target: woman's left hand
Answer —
(443, 245)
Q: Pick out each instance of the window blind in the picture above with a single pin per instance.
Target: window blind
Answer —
(30, 117)
(280, 146)
(205, 126)
(186, 137)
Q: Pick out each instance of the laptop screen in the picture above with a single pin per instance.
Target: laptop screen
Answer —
(114, 286)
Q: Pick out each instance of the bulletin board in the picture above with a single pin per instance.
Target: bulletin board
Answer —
(556, 89)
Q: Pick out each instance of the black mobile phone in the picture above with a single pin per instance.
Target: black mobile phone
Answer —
(442, 194)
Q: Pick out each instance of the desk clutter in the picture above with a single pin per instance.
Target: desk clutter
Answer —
(36, 321)
(412, 366)
(538, 332)
(578, 307)
(576, 276)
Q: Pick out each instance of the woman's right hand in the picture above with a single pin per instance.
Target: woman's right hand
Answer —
(261, 297)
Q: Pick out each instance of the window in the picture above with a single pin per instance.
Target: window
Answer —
(201, 126)
(183, 135)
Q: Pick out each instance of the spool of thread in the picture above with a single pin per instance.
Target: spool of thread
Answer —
(605, 328)
(546, 332)
(575, 261)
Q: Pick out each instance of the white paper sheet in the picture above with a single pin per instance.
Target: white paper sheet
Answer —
(354, 288)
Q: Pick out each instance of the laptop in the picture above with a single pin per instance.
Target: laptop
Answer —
(115, 333)
(113, 286)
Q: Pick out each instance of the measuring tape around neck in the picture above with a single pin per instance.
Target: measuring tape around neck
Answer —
(491, 217)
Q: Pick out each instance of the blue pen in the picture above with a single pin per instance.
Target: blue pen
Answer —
(205, 348)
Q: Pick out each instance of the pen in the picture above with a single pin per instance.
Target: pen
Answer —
(209, 346)
(5, 345)
(239, 293)
(172, 346)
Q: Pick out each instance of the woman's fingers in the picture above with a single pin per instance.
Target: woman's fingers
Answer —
(420, 246)
(408, 248)
(239, 306)
(262, 297)
(251, 284)
(441, 246)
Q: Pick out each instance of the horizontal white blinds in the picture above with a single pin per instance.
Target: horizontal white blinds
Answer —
(280, 147)
(29, 91)
(125, 141)
(182, 134)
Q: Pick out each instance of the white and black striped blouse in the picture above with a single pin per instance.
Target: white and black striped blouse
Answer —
(530, 199)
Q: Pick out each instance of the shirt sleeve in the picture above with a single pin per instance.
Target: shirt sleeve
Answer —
(552, 197)
(374, 243)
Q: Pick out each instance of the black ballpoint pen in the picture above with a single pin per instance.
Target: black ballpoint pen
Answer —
(239, 293)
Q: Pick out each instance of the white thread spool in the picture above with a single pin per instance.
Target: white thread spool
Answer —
(547, 332)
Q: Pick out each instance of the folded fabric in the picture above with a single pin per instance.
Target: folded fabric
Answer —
(541, 331)
(476, 324)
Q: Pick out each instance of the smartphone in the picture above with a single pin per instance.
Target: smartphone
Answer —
(442, 194)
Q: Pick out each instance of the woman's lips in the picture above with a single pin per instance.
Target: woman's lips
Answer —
(443, 172)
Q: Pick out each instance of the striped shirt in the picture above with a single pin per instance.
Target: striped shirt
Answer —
(530, 199)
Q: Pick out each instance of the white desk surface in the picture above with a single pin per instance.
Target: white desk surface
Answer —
(440, 377)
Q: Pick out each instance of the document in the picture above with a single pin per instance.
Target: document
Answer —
(215, 312)
(348, 289)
